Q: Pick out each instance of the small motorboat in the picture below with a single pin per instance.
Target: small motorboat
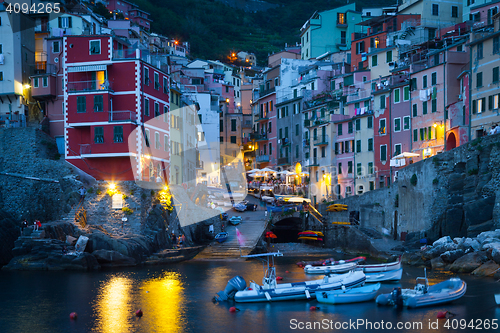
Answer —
(497, 299)
(221, 237)
(271, 291)
(425, 295)
(329, 261)
(240, 207)
(382, 267)
(394, 275)
(353, 295)
(235, 220)
(336, 269)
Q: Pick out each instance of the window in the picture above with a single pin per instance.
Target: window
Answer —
(35, 82)
(496, 45)
(424, 107)
(370, 169)
(146, 76)
(388, 57)
(374, 60)
(349, 167)
(358, 169)
(297, 129)
(233, 125)
(381, 126)
(397, 149)
(396, 95)
(146, 137)
(422, 134)
(358, 124)
(157, 140)
(343, 35)
(479, 79)
(434, 105)
(413, 84)
(157, 81)
(383, 153)
(429, 133)
(479, 51)
(146, 106)
(360, 47)
(370, 144)
(341, 18)
(435, 9)
(382, 102)
(349, 127)
(406, 123)
(165, 85)
(414, 110)
(454, 11)
(98, 134)
(95, 47)
(55, 47)
(45, 81)
(165, 143)
(157, 109)
(64, 22)
(270, 148)
(397, 124)
(340, 169)
(323, 152)
(233, 140)
(81, 104)
(434, 78)
(424, 81)
(118, 134)
(406, 93)
(415, 135)
(495, 74)
(339, 129)
(370, 122)
(98, 103)
(358, 146)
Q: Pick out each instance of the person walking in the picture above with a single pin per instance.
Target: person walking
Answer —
(35, 225)
(82, 192)
(24, 224)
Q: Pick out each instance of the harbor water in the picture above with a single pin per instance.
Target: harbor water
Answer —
(177, 299)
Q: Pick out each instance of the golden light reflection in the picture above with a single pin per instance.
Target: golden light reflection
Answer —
(114, 308)
(162, 300)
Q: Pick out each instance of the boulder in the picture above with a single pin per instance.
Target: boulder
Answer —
(70, 240)
(487, 269)
(485, 244)
(475, 230)
(437, 263)
(488, 234)
(435, 251)
(479, 211)
(470, 243)
(442, 241)
(494, 251)
(468, 262)
(109, 258)
(451, 256)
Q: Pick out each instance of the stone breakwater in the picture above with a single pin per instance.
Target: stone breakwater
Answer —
(479, 255)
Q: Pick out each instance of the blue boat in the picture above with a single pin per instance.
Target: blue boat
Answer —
(221, 237)
(235, 220)
(351, 295)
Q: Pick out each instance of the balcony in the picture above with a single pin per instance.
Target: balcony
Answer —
(341, 23)
(246, 124)
(45, 87)
(95, 85)
(313, 162)
(262, 117)
(321, 140)
(262, 158)
(261, 137)
(358, 95)
(285, 142)
(125, 115)
(316, 122)
(284, 161)
(200, 165)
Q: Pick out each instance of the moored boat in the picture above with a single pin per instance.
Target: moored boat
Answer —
(394, 275)
(221, 237)
(341, 268)
(272, 291)
(352, 295)
(235, 220)
(329, 261)
(391, 266)
(425, 295)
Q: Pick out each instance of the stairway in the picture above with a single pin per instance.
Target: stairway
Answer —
(372, 233)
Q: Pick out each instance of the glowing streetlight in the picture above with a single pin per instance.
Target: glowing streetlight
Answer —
(27, 86)
(112, 186)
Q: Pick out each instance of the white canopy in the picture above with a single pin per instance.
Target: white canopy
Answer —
(405, 155)
(267, 170)
(286, 173)
(253, 171)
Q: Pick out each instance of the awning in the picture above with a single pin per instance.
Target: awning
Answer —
(89, 68)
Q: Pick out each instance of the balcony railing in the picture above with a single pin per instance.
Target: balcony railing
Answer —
(261, 137)
(125, 115)
(284, 161)
(321, 140)
(90, 86)
(313, 162)
(285, 142)
(262, 158)
(200, 165)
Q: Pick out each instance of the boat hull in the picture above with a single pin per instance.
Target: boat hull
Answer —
(299, 290)
(354, 295)
(381, 267)
(340, 268)
(384, 276)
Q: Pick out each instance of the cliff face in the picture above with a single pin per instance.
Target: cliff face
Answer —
(456, 194)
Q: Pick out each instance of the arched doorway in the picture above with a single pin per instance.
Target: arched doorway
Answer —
(287, 230)
(451, 141)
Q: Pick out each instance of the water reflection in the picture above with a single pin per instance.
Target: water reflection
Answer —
(113, 306)
(162, 303)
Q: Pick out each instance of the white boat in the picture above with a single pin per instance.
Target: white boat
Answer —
(353, 295)
(340, 268)
(497, 299)
(382, 267)
(272, 291)
(425, 295)
(384, 276)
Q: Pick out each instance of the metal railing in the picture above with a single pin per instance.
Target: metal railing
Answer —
(93, 85)
(262, 158)
(284, 161)
(125, 115)
(321, 140)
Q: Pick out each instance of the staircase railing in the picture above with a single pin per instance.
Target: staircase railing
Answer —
(316, 214)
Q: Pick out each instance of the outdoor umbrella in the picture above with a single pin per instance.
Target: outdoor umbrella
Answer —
(405, 155)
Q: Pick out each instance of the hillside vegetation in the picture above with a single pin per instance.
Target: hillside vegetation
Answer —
(216, 28)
